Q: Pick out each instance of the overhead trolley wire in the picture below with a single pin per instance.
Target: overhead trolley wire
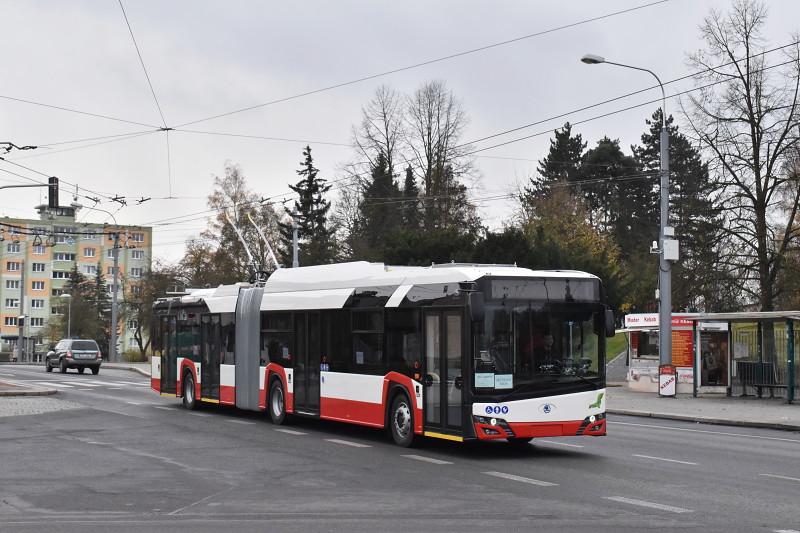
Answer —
(427, 62)
(78, 111)
(141, 61)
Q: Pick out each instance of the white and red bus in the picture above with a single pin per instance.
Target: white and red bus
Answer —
(452, 351)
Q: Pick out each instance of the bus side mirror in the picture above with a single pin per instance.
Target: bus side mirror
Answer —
(476, 306)
(610, 323)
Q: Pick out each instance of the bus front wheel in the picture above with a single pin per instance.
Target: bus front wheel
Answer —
(277, 403)
(401, 421)
(189, 400)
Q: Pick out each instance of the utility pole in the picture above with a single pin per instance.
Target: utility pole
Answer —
(21, 317)
(112, 349)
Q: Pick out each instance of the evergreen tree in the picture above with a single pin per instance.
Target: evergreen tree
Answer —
(562, 164)
(101, 302)
(693, 213)
(410, 209)
(311, 215)
(380, 209)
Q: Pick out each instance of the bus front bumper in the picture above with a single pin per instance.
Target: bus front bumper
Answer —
(490, 428)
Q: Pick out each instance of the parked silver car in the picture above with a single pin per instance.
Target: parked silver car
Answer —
(74, 353)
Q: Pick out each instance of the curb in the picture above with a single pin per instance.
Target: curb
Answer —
(706, 420)
(117, 366)
(29, 392)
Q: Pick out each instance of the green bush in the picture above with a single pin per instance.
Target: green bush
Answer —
(133, 356)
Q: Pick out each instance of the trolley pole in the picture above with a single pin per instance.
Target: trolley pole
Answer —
(112, 349)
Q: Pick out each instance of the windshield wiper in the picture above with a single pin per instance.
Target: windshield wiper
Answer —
(582, 378)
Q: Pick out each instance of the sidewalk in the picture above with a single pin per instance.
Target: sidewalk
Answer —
(18, 389)
(141, 368)
(731, 411)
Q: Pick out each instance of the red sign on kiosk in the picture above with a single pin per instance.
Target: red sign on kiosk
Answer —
(667, 380)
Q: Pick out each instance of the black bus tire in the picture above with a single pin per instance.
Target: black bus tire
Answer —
(401, 421)
(276, 402)
(189, 399)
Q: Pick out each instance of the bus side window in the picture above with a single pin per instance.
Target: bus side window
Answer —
(277, 335)
(368, 341)
(403, 340)
(338, 354)
(228, 337)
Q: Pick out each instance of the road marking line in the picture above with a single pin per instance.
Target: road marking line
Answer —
(290, 431)
(427, 459)
(349, 443)
(85, 390)
(664, 459)
(671, 428)
(199, 414)
(651, 505)
(7, 375)
(521, 479)
(536, 441)
(83, 384)
(134, 403)
(240, 422)
(786, 531)
(54, 384)
(781, 477)
(164, 408)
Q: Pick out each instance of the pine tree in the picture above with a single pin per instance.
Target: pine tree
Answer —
(380, 209)
(311, 214)
(410, 210)
(693, 214)
(101, 302)
(562, 164)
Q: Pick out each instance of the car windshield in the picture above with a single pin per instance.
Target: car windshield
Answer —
(84, 345)
(536, 346)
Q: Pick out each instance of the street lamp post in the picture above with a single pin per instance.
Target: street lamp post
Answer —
(67, 296)
(667, 245)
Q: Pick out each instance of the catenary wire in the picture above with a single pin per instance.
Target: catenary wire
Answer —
(427, 62)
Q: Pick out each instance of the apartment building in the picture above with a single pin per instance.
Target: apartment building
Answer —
(47, 249)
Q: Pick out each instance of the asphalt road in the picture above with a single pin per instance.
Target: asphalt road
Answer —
(124, 459)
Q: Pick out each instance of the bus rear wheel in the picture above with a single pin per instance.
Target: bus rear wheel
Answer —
(277, 403)
(401, 421)
(189, 400)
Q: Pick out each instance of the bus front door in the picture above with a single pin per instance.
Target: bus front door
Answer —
(210, 346)
(308, 351)
(443, 382)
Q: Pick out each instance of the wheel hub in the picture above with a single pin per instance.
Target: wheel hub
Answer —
(402, 420)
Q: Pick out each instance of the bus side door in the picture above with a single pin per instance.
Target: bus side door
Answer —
(443, 381)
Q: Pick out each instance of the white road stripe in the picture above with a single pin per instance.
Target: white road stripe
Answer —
(54, 384)
(786, 531)
(651, 505)
(671, 428)
(7, 375)
(427, 459)
(290, 431)
(240, 422)
(199, 414)
(521, 479)
(163, 408)
(134, 403)
(570, 445)
(781, 477)
(349, 443)
(664, 459)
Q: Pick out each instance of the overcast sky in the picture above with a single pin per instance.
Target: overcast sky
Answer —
(207, 58)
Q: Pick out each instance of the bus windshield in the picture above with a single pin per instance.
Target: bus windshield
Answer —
(536, 346)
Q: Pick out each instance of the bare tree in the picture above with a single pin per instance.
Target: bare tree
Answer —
(747, 122)
(435, 124)
(382, 128)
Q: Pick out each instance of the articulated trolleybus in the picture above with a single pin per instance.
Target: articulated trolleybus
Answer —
(456, 352)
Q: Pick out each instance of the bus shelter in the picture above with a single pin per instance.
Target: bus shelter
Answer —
(756, 355)
(641, 330)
